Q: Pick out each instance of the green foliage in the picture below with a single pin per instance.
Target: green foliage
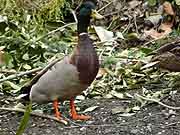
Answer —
(22, 30)
(152, 2)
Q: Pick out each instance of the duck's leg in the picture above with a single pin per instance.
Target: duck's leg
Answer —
(57, 113)
(74, 114)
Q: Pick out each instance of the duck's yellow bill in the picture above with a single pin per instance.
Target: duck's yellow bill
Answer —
(96, 15)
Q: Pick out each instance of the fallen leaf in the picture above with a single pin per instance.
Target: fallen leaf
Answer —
(12, 85)
(119, 35)
(127, 114)
(177, 2)
(90, 109)
(26, 66)
(136, 108)
(151, 64)
(103, 34)
(101, 73)
(158, 35)
(108, 96)
(117, 94)
(154, 19)
(134, 3)
(132, 36)
(80, 97)
(119, 109)
(2, 57)
(168, 8)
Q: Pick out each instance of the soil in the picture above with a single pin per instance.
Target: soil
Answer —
(153, 119)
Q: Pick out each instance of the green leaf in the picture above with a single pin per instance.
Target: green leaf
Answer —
(146, 50)
(8, 58)
(25, 56)
(152, 2)
(24, 120)
(26, 66)
(178, 2)
(12, 85)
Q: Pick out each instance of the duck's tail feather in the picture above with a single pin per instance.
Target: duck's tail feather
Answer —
(24, 93)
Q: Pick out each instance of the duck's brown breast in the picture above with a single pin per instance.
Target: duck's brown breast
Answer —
(85, 59)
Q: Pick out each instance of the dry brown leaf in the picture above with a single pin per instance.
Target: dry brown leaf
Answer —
(168, 8)
(101, 73)
(134, 3)
(156, 35)
(2, 59)
(164, 27)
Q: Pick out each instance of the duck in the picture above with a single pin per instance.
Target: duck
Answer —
(73, 74)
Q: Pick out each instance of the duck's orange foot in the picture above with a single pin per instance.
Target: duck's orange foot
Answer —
(57, 113)
(75, 115)
(80, 117)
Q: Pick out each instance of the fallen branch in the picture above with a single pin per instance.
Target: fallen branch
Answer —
(105, 6)
(8, 72)
(41, 69)
(35, 114)
(160, 103)
(20, 74)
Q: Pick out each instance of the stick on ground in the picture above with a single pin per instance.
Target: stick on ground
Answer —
(35, 114)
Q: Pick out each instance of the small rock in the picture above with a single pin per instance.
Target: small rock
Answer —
(48, 131)
(83, 128)
(134, 131)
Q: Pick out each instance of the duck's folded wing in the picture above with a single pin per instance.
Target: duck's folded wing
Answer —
(60, 81)
(25, 90)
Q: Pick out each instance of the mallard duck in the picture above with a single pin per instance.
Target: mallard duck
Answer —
(74, 73)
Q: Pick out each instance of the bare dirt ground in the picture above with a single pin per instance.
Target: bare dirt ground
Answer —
(153, 119)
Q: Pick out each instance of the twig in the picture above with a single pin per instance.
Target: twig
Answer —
(105, 6)
(128, 26)
(135, 23)
(160, 103)
(80, 2)
(112, 13)
(149, 42)
(36, 78)
(35, 114)
(8, 72)
(171, 124)
(54, 31)
(32, 71)
(74, 15)
(20, 74)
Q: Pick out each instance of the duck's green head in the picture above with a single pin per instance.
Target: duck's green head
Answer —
(86, 12)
